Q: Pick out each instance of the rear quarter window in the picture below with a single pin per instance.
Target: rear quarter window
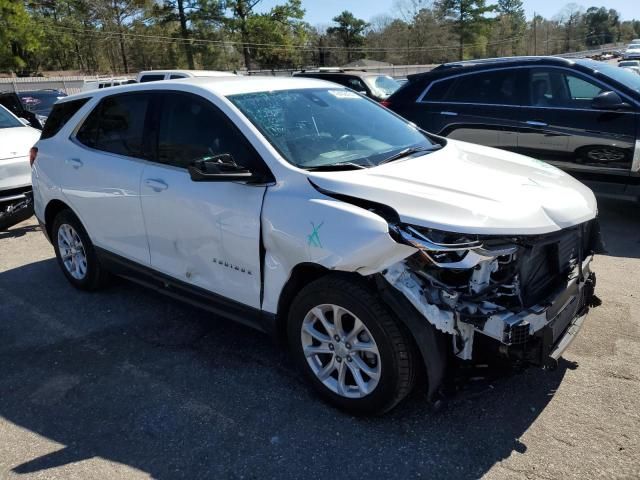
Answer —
(439, 90)
(60, 115)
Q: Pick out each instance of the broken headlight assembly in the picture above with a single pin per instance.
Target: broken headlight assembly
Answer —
(464, 283)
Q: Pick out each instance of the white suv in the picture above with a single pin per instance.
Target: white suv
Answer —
(310, 212)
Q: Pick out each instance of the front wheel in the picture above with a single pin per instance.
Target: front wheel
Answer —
(353, 350)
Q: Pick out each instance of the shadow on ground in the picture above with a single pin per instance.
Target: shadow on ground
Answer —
(137, 378)
(133, 377)
(19, 231)
(620, 227)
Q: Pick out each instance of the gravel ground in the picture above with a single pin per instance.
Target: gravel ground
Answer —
(126, 383)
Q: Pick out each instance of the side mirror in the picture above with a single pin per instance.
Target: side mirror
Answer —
(609, 101)
(220, 168)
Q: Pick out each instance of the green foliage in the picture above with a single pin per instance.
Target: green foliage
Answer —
(603, 26)
(116, 36)
(468, 17)
(349, 31)
(18, 40)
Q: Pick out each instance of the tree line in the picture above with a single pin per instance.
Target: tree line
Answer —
(124, 36)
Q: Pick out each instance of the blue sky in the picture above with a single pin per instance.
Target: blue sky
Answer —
(320, 12)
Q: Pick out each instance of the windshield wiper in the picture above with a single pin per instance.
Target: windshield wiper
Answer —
(335, 166)
(405, 152)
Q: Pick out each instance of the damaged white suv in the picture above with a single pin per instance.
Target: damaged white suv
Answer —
(307, 211)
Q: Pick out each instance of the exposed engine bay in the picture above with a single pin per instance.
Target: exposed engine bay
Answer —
(515, 290)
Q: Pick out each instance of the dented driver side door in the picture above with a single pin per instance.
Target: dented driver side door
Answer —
(206, 234)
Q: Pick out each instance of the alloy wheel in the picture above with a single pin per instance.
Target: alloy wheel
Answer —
(605, 155)
(72, 251)
(341, 351)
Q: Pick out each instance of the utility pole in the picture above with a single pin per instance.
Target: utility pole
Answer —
(535, 34)
(408, 40)
(461, 31)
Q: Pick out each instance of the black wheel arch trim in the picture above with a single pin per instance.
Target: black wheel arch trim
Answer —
(431, 343)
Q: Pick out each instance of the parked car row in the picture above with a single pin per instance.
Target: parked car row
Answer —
(377, 251)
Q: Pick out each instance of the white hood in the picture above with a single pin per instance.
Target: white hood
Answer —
(469, 188)
(17, 141)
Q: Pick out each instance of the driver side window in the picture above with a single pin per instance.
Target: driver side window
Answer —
(191, 129)
(580, 89)
(561, 89)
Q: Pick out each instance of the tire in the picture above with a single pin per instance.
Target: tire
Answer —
(602, 154)
(393, 368)
(11, 215)
(68, 230)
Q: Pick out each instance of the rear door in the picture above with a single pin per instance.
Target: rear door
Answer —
(206, 234)
(102, 169)
(480, 107)
(560, 126)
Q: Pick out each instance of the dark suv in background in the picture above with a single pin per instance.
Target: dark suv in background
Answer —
(374, 85)
(580, 115)
(11, 102)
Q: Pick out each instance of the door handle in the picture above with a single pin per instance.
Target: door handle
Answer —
(156, 184)
(450, 114)
(536, 124)
(74, 162)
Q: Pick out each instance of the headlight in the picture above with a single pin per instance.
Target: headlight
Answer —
(452, 250)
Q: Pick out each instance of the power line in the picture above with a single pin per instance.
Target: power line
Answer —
(255, 45)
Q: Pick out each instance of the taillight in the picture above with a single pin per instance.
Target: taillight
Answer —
(385, 103)
(33, 153)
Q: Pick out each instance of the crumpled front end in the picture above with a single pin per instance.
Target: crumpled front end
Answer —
(527, 293)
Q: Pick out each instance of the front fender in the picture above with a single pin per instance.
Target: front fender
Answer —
(323, 231)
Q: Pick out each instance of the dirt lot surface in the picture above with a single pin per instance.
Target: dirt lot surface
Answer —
(126, 383)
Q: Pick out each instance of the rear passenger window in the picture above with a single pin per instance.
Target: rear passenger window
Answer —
(116, 125)
(492, 88)
(439, 90)
(60, 115)
(151, 78)
(192, 129)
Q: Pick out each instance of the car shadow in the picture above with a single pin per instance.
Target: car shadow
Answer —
(620, 227)
(18, 231)
(134, 377)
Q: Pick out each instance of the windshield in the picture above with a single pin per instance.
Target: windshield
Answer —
(626, 77)
(329, 126)
(7, 120)
(384, 85)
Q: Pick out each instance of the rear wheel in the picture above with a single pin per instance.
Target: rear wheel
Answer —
(75, 252)
(353, 350)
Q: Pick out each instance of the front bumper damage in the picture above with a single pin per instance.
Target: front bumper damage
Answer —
(529, 296)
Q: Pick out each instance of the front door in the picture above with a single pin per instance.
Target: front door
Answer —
(560, 126)
(206, 234)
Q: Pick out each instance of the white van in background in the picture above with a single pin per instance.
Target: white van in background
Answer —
(106, 82)
(157, 75)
